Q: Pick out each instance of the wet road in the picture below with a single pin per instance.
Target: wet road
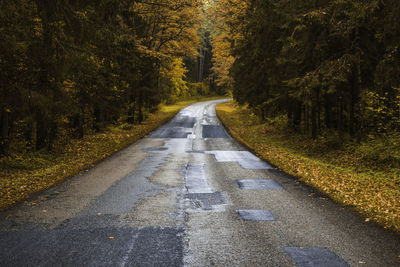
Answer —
(188, 195)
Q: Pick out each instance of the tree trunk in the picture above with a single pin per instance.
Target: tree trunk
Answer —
(340, 118)
(29, 133)
(306, 119)
(131, 112)
(297, 116)
(328, 112)
(5, 131)
(318, 103)
(140, 109)
(52, 134)
(99, 118)
(41, 131)
(201, 65)
(314, 128)
(354, 125)
(78, 123)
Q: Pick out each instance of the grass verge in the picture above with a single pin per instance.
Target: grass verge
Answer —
(28, 173)
(337, 172)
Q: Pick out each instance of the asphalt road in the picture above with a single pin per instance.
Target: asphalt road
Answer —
(189, 195)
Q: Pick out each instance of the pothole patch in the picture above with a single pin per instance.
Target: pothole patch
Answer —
(214, 131)
(245, 159)
(205, 201)
(256, 215)
(259, 184)
(315, 256)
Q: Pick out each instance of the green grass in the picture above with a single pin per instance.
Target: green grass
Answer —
(365, 176)
(24, 174)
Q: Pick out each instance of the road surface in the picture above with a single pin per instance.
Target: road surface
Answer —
(189, 195)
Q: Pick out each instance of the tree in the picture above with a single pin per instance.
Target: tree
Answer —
(73, 67)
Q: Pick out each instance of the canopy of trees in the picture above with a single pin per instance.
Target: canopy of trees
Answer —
(326, 66)
(69, 67)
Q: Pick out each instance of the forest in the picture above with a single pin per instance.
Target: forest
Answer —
(315, 84)
(323, 68)
(72, 67)
(317, 93)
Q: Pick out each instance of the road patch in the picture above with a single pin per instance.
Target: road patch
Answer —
(108, 246)
(205, 201)
(179, 127)
(195, 179)
(315, 256)
(259, 184)
(245, 159)
(214, 131)
(256, 215)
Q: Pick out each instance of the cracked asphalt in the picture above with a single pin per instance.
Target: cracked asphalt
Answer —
(189, 195)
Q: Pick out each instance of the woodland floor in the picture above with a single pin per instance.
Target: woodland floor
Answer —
(365, 176)
(23, 174)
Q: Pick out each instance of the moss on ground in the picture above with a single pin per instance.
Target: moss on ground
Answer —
(24, 174)
(343, 173)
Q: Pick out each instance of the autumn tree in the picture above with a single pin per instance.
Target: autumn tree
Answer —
(73, 67)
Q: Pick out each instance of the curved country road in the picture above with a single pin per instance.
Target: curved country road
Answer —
(189, 195)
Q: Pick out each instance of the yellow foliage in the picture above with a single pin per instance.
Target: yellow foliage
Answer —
(175, 73)
(222, 60)
(227, 16)
(37, 27)
(172, 27)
